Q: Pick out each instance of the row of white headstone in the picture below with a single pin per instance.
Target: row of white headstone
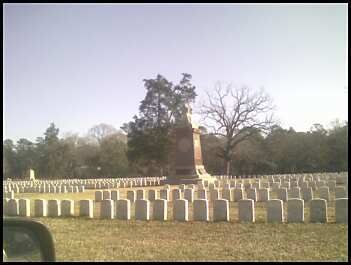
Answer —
(276, 187)
(274, 184)
(121, 209)
(313, 176)
(46, 189)
(285, 180)
(97, 183)
(260, 195)
(89, 183)
(64, 188)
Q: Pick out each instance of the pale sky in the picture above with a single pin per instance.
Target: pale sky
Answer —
(79, 65)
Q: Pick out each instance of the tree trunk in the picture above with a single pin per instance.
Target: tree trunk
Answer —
(228, 167)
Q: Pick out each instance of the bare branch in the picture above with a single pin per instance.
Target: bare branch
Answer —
(236, 114)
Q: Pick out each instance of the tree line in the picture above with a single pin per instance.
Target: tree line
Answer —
(283, 151)
(240, 136)
(101, 153)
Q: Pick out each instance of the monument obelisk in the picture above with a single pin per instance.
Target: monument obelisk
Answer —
(188, 166)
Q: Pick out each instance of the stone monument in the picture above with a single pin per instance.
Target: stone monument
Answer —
(188, 166)
(31, 174)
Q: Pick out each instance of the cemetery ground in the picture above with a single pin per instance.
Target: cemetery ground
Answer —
(84, 239)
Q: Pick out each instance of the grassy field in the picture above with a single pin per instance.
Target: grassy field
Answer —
(81, 239)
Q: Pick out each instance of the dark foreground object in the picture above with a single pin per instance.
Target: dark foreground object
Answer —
(26, 240)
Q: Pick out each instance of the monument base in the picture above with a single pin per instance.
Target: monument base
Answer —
(193, 179)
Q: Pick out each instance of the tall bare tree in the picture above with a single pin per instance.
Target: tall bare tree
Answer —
(235, 115)
(101, 131)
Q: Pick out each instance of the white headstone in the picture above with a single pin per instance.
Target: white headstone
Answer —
(227, 194)
(180, 210)
(40, 207)
(106, 195)
(107, 209)
(10, 194)
(332, 185)
(295, 210)
(202, 194)
(54, 208)
(239, 186)
(189, 195)
(263, 195)
(152, 195)
(256, 185)
(246, 210)
(24, 207)
(340, 192)
(247, 186)
(295, 192)
(67, 207)
(307, 194)
(98, 195)
(282, 194)
(164, 194)
(214, 194)
(86, 208)
(226, 186)
(142, 210)
(275, 211)
(318, 211)
(201, 212)
(176, 194)
(140, 195)
(275, 186)
(123, 209)
(115, 195)
(160, 210)
(341, 210)
(238, 194)
(221, 210)
(131, 196)
(324, 193)
(251, 194)
(12, 207)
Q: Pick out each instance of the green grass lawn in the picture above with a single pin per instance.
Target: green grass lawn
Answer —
(81, 239)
